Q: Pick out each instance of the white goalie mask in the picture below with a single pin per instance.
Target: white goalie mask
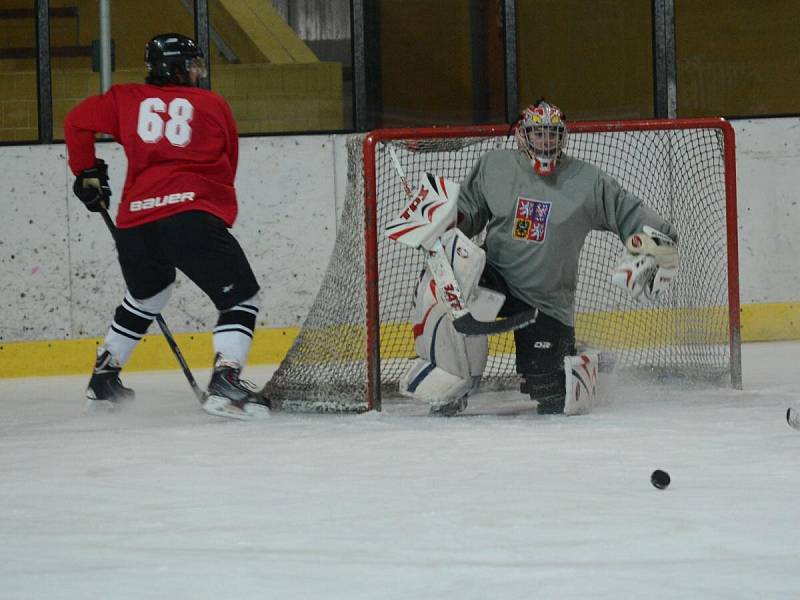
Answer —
(541, 135)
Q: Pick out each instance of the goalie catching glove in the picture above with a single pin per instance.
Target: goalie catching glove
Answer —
(92, 188)
(648, 264)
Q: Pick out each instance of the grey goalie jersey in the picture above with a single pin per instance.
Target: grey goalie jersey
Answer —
(536, 226)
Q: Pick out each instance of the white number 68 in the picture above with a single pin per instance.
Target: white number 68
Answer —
(151, 127)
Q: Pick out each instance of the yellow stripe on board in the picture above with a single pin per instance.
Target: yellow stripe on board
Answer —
(771, 322)
(658, 326)
(60, 357)
(619, 329)
(760, 322)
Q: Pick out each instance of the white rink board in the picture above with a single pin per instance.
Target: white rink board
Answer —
(768, 179)
(59, 277)
(62, 258)
(35, 281)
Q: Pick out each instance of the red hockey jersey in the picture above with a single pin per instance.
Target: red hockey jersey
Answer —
(181, 143)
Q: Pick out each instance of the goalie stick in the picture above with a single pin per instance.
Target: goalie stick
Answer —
(463, 320)
(793, 418)
(200, 394)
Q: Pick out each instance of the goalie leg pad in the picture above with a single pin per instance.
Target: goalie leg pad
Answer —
(581, 383)
(435, 338)
(437, 341)
(450, 364)
(467, 260)
(485, 304)
(446, 393)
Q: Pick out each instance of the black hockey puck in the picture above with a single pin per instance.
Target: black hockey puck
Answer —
(660, 479)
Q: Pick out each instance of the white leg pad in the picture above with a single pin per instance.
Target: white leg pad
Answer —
(467, 260)
(485, 304)
(450, 364)
(581, 379)
(427, 382)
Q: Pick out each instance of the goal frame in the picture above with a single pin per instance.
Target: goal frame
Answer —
(371, 233)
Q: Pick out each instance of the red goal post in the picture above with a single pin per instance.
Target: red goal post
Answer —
(683, 168)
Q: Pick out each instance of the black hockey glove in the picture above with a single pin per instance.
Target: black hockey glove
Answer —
(91, 186)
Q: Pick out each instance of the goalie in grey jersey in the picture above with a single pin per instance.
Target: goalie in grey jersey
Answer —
(537, 206)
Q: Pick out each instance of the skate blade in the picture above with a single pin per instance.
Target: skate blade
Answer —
(93, 406)
(221, 407)
(450, 409)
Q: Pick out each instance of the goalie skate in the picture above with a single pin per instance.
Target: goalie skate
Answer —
(448, 409)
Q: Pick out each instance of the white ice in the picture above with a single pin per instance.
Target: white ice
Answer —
(164, 501)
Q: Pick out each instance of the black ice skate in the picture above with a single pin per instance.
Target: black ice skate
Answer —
(551, 406)
(105, 387)
(231, 397)
(549, 394)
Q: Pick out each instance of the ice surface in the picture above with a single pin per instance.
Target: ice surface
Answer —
(164, 501)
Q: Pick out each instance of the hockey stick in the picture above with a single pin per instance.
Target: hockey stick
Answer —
(201, 396)
(463, 320)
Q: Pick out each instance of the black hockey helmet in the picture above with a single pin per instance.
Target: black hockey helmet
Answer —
(170, 57)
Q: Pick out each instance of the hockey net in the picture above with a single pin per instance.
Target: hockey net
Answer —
(356, 341)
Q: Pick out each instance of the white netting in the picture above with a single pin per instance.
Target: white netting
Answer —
(678, 172)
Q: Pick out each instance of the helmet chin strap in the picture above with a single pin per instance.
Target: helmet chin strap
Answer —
(543, 167)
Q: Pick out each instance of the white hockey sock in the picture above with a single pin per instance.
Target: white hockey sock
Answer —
(131, 320)
(233, 334)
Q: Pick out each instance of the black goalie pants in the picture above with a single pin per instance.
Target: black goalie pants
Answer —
(540, 346)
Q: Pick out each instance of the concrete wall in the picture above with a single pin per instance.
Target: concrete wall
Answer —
(768, 179)
(59, 277)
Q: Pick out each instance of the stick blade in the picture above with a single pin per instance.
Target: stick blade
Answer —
(469, 325)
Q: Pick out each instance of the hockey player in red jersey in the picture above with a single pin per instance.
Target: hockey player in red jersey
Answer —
(177, 204)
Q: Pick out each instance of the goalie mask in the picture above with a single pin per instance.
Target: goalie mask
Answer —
(172, 58)
(541, 135)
